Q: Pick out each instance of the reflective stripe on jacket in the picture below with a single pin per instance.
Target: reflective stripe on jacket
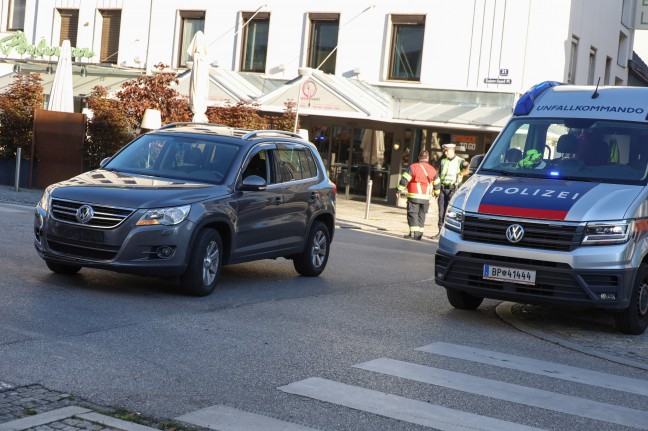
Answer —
(420, 179)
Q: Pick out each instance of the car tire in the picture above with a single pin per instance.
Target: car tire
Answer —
(463, 300)
(205, 264)
(634, 319)
(312, 261)
(61, 268)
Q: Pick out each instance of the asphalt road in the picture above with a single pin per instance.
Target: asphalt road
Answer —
(137, 343)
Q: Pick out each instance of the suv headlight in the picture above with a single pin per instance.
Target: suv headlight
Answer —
(45, 200)
(454, 219)
(164, 216)
(605, 233)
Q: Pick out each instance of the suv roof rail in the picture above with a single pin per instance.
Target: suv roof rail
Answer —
(255, 133)
(190, 123)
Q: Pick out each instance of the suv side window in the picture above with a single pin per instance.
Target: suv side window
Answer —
(259, 165)
(295, 163)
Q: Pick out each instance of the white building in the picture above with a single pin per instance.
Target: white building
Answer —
(419, 72)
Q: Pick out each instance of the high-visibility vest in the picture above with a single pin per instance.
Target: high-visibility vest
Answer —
(420, 179)
(450, 170)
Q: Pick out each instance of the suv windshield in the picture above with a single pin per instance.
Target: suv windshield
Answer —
(578, 149)
(194, 158)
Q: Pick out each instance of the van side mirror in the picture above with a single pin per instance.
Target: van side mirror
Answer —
(103, 162)
(474, 163)
(253, 183)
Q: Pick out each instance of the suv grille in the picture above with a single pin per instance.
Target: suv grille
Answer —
(545, 236)
(104, 217)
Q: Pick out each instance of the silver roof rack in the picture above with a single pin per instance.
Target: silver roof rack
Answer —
(190, 123)
(256, 133)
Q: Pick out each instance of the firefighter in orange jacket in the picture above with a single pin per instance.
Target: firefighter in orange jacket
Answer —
(421, 180)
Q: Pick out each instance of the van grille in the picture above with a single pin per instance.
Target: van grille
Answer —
(104, 217)
(539, 235)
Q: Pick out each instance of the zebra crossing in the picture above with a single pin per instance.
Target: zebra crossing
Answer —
(443, 418)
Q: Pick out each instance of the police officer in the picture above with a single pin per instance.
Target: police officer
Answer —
(450, 171)
(421, 180)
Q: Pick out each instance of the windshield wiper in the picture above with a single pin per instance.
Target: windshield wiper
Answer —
(500, 172)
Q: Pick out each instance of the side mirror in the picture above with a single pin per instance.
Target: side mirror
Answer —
(253, 183)
(474, 163)
(103, 162)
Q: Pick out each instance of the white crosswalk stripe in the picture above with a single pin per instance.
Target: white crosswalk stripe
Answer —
(510, 392)
(425, 413)
(543, 368)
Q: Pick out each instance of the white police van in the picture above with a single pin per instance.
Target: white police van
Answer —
(557, 212)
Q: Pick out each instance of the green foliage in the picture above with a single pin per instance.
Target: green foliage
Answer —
(108, 129)
(17, 107)
(285, 121)
(154, 92)
(241, 115)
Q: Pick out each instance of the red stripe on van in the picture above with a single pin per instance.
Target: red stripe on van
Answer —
(522, 212)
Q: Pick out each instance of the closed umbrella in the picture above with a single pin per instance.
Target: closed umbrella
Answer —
(199, 81)
(61, 96)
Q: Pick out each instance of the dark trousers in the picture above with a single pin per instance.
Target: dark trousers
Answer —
(416, 213)
(444, 200)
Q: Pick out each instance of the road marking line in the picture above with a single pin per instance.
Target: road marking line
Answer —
(42, 418)
(224, 418)
(510, 392)
(543, 368)
(396, 407)
(9, 208)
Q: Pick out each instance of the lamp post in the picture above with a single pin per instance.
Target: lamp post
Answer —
(304, 73)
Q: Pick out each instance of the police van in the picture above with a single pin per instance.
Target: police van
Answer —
(557, 212)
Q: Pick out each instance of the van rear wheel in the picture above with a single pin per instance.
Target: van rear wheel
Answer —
(634, 319)
(463, 300)
(204, 264)
(312, 261)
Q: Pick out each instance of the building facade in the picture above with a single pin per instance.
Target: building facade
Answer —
(375, 82)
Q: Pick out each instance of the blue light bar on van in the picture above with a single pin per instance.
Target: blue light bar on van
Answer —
(525, 104)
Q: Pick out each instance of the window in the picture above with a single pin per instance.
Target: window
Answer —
(406, 47)
(592, 66)
(255, 42)
(573, 57)
(191, 22)
(111, 24)
(296, 163)
(608, 70)
(16, 15)
(323, 41)
(69, 25)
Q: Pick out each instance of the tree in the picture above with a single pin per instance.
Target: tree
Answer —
(243, 115)
(17, 107)
(108, 128)
(155, 92)
(285, 121)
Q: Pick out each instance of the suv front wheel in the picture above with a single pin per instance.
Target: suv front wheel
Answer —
(204, 265)
(312, 261)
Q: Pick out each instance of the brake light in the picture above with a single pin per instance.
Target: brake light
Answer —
(334, 189)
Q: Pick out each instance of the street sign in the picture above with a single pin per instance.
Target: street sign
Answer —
(497, 80)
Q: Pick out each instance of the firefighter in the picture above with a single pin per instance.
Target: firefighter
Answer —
(450, 173)
(421, 180)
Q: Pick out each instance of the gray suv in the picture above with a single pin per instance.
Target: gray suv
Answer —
(188, 198)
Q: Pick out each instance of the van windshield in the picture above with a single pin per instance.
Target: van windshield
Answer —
(578, 149)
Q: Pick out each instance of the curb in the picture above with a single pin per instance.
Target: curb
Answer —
(503, 310)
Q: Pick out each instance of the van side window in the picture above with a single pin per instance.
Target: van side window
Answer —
(296, 163)
(259, 166)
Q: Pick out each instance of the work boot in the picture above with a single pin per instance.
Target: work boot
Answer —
(408, 236)
(418, 236)
(435, 236)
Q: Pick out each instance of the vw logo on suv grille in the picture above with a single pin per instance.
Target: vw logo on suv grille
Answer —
(84, 214)
(514, 233)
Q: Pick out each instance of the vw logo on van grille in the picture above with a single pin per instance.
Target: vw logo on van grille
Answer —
(514, 233)
(84, 214)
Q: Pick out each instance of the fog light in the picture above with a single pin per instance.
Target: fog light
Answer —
(608, 296)
(164, 252)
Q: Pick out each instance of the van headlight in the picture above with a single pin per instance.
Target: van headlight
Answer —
(454, 219)
(164, 216)
(606, 233)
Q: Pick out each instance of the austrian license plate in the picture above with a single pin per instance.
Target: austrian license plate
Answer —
(515, 275)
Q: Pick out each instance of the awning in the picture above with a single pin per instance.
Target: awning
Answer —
(108, 77)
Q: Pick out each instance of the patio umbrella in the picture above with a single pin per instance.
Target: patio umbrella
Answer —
(199, 81)
(373, 147)
(61, 96)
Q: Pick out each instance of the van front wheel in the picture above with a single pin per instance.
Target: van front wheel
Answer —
(634, 319)
(463, 300)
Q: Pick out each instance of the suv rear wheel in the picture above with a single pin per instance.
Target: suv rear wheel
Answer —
(204, 265)
(634, 319)
(312, 261)
(61, 268)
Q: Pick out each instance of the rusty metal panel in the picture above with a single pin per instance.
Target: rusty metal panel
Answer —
(57, 146)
